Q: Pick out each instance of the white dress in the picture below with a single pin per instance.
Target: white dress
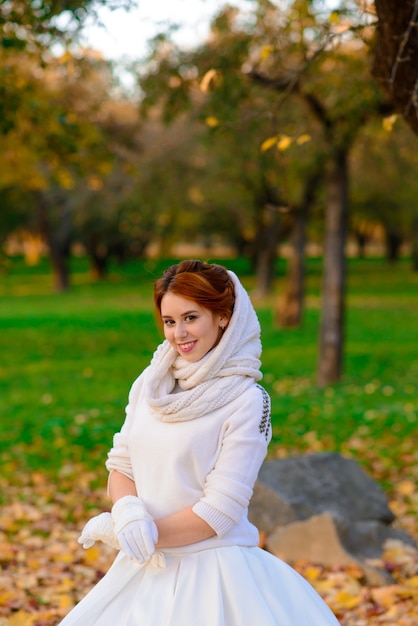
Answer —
(225, 580)
(195, 435)
(230, 586)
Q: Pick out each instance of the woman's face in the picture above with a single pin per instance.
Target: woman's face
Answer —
(190, 329)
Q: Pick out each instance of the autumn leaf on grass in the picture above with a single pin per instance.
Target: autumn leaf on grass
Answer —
(312, 573)
(22, 618)
(346, 600)
(91, 556)
(406, 487)
(400, 557)
(385, 596)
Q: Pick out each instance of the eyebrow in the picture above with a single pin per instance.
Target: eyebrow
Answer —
(182, 315)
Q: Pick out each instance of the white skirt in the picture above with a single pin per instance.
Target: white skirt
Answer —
(228, 586)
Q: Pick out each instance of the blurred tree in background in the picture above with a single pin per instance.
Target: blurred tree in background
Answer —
(269, 131)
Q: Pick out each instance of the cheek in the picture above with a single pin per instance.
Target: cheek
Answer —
(215, 334)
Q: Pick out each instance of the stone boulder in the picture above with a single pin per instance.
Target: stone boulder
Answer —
(323, 508)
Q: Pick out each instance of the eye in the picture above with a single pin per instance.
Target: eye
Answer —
(190, 318)
(168, 322)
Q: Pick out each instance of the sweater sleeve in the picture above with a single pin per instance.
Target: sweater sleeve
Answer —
(229, 486)
(119, 457)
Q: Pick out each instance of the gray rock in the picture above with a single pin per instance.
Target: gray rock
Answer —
(365, 539)
(268, 510)
(314, 483)
(323, 508)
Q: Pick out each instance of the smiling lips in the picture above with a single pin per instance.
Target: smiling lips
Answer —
(186, 347)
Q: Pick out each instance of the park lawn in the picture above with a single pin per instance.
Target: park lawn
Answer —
(68, 360)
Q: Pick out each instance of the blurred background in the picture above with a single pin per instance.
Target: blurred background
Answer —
(276, 138)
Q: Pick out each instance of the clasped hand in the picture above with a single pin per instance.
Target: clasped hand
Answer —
(134, 528)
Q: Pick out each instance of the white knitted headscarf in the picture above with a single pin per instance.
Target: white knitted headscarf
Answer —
(222, 375)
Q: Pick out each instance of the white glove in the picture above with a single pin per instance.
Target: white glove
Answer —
(134, 528)
(99, 528)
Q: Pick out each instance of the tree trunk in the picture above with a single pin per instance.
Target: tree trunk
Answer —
(98, 256)
(58, 241)
(414, 242)
(99, 265)
(266, 250)
(331, 338)
(393, 246)
(291, 310)
(362, 240)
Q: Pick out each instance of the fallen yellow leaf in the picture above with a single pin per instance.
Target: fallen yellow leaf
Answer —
(22, 618)
(346, 600)
(312, 573)
(406, 487)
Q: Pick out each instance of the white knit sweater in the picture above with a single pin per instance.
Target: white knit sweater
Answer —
(210, 463)
(196, 433)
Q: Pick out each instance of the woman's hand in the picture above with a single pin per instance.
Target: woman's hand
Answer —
(134, 528)
(99, 528)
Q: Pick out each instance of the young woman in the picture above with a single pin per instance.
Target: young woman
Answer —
(182, 471)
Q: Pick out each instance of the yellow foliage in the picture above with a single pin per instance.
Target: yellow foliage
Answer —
(266, 52)
(388, 122)
(334, 17)
(212, 122)
(284, 142)
(303, 139)
(195, 195)
(208, 80)
(269, 143)
(94, 183)
(64, 179)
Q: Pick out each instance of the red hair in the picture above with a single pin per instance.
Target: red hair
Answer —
(207, 284)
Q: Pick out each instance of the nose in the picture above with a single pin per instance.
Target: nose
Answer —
(180, 331)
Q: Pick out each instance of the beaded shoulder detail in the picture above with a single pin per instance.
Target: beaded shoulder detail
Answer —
(265, 422)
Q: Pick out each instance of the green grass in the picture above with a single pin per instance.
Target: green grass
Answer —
(67, 362)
